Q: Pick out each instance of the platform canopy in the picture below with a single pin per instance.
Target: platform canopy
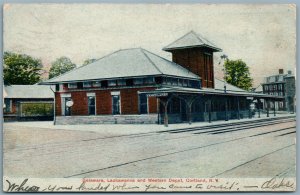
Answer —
(207, 91)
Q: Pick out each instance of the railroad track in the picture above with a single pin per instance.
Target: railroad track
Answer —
(203, 129)
(226, 125)
(216, 129)
(186, 150)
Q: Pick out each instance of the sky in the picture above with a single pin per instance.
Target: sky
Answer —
(263, 36)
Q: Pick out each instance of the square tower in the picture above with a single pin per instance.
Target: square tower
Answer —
(195, 53)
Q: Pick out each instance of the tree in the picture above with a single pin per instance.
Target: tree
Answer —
(88, 61)
(21, 69)
(60, 66)
(237, 73)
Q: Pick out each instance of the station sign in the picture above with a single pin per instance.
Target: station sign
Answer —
(157, 95)
(69, 103)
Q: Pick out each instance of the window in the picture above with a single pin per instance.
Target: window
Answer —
(72, 85)
(148, 80)
(138, 81)
(143, 104)
(8, 105)
(185, 83)
(174, 82)
(129, 82)
(121, 82)
(169, 81)
(266, 87)
(87, 84)
(92, 105)
(115, 104)
(194, 84)
(97, 84)
(281, 104)
(57, 87)
(180, 82)
(207, 61)
(112, 83)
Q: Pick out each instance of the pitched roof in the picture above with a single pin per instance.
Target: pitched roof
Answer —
(28, 91)
(258, 89)
(134, 62)
(189, 40)
(219, 85)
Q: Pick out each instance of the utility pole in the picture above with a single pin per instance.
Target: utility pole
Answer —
(224, 57)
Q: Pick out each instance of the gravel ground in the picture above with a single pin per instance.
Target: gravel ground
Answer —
(40, 149)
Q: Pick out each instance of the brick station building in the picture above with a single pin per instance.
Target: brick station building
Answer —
(138, 86)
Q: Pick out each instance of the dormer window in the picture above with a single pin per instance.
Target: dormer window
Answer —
(121, 82)
(174, 81)
(138, 81)
(87, 84)
(185, 83)
(148, 80)
(72, 85)
(112, 83)
(97, 84)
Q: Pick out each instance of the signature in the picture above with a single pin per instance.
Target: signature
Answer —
(13, 187)
(276, 183)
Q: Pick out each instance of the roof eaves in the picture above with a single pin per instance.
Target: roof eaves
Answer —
(49, 80)
(192, 46)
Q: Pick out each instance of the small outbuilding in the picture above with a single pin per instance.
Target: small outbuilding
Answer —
(28, 102)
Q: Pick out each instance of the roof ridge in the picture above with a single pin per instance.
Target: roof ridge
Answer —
(178, 39)
(143, 51)
(198, 35)
(130, 48)
(200, 41)
(171, 62)
(80, 67)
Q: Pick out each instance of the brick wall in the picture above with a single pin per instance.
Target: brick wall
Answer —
(152, 101)
(80, 106)
(129, 101)
(103, 102)
(57, 104)
(193, 60)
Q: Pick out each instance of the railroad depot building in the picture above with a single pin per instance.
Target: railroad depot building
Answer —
(138, 86)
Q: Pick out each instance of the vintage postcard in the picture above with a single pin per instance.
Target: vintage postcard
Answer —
(149, 97)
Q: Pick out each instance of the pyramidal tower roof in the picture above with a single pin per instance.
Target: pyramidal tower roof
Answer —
(191, 40)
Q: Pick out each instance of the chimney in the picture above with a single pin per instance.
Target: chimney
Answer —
(281, 71)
